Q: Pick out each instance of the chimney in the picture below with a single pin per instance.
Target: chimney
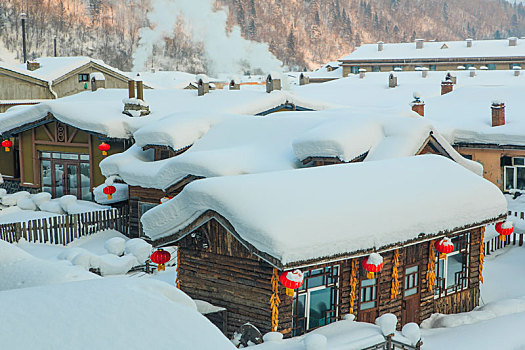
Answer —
(131, 88)
(447, 85)
(392, 80)
(469, 42)
(498, 113)
(140, 90)
(513, 41)
(135, 107)
(418, 105)
(98, 81)
(362, 73)
(272, 82)
(419, 43)
(203, 84)
(304, 79)
(32, 65)
(517, 71)
(234, 84)
(379, 46)
(472, 71)
(424, 72)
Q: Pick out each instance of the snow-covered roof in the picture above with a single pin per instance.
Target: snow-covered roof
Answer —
(164, 79)
(101, 111)
(435, 49)
(310, 214)
(226, 145)
(462, 115)
(52, 68)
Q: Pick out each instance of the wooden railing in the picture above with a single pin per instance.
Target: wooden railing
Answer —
(63, 229)
(513, 239)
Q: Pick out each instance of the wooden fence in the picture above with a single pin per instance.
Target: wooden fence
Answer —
(513, 239)
(64, 229)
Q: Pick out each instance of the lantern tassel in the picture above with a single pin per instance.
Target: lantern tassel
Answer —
(7, 149)
(502, 238)
(290, 292)
(110, 196)
(104, 153)
(161, 267)
(442, 256)
(369, 275)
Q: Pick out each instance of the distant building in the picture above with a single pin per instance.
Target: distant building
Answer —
(492, 54)
(53, 77)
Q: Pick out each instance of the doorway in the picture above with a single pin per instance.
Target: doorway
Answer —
(66, 174)
(411, 295)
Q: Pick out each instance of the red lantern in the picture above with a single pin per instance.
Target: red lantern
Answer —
(444, 246)
(160, 257)
(504, 229)
(104, 147)
(372, 264)
(165, 199)
(292, 280)
(7, 144)
(109, 190)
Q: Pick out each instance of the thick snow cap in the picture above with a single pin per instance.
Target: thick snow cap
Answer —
(305, 215)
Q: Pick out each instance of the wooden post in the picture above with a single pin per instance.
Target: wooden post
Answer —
(131, 89)
(521, 239)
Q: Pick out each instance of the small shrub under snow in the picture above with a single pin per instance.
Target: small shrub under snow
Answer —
(412, 332)
(12, 199)
(388, 323)
(52, 206)
(41, 198)
(315, 342)
(138, 248)
(26, 204)
(273, 337)
(115, 245)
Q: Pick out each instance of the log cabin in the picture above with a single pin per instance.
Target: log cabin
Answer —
(237, 234)
(54, 77)
(246, 145)
(436, 56)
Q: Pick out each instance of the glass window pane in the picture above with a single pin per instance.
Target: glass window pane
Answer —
(520, 178)
(56, 155)
(454, 268)
(369, 305)
(368, 282)
(509, 178)
(84, 157)
(320, 303)
(59, 180)
(46, 155)
(518, 161)
(299, 323)
(410, 292)
(72, 179)
(316, 281)
(84, 182)
(411, 270)
(46, 176)
(72, 156)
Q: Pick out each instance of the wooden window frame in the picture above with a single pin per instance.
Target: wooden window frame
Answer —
(82, 78)
(306, 291)
(362, 291)
(65, 162)
(140, 205)
(440, 288)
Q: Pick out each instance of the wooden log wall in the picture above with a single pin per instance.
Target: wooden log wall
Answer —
(216, 268)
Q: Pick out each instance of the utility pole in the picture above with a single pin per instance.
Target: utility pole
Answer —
(23, 16)
(55, 45)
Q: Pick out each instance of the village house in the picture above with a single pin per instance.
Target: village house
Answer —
(238, 235)
(436, 55)
(195, 147)
(54, 77)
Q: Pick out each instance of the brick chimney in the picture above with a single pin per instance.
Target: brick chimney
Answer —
(446, 87)
(235, 84)
(131, 88)
(379, 46)
(140, 90)
(469, 42)
(362, 73)
(498, 113)
(513, 41)
(273, 82)
(304, 79)
(32, 65)
(424, 72)
(135, 106)
(419, 43)
(418, 105)
(472, 71)
(203, 84)
(517, 71)
(392, 80)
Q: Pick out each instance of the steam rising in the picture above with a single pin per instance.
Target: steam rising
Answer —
(225, 52)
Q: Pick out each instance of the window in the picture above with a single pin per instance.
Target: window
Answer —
(467, 156)
(514, 175)
(411, 281)
(316, 302)
(376, 68)
(452, 271)
(432, 67)
(83, 78)
(491, 66)
(354, 70)
(397, 68)
(512, 65)
(66, 173)
(467, 66)
(368, 294)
